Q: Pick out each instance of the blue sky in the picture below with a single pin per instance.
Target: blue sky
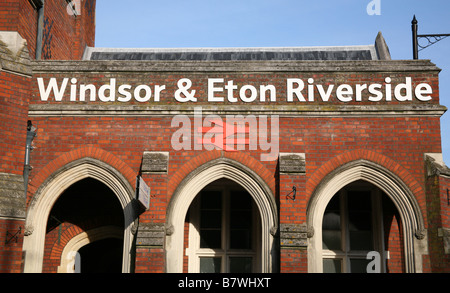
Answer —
(279, 23)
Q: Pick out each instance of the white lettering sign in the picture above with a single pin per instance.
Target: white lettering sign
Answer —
(219, 91)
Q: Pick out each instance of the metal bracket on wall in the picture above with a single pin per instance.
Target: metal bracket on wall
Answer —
(12, 237)
(431, 39)
(293, 193)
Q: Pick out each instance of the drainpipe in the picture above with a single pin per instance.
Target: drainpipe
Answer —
(31, 134)
(40, 28)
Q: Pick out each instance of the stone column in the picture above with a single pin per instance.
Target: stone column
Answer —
(293, 230)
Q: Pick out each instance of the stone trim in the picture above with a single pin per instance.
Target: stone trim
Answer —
(294, 110)
(12, 196)
(239, 53)
(445, 234)
(234, 66)
(405, 201)
(194, 183)
(69, 252)
(291, 163)
(14, 55)
(382, 48)
(293, 236)
(155, 162)
(435, 165)
(49, 192)
(150, 234)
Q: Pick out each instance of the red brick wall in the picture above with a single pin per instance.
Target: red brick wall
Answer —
(293, 261)
(20, 16)
(200, 85)
(397, 143)
(11, 249)
(86, 27)
(65, 36)
(149, 260)
(58, 237)
(9, 11)
(438, 210)
(61, 135)
(55, 241)
(28, 25)
(393, 238)
(443, 264)
(14, 97)
(444, 195)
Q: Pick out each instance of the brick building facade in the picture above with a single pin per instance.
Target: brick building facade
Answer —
(339, 157)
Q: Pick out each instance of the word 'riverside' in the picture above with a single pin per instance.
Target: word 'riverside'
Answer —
(219, 91)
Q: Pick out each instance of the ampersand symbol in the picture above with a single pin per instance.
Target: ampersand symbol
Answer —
(183, 86)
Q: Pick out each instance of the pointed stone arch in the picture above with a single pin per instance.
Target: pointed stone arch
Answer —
(400, 194)
(48, 193)
(82, 239)
(194, 183)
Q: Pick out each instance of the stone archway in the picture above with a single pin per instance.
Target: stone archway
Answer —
(388, 182)
(68, 254)
(194, 183)
(54, 186)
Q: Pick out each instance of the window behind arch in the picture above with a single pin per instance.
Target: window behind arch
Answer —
(351, 228)
(224, 235)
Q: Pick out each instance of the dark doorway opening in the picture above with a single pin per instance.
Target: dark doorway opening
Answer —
(103, 256)
(88, 205)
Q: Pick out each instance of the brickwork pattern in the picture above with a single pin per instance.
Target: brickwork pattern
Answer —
(396, 143)
(11, 240)
(65, 36)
